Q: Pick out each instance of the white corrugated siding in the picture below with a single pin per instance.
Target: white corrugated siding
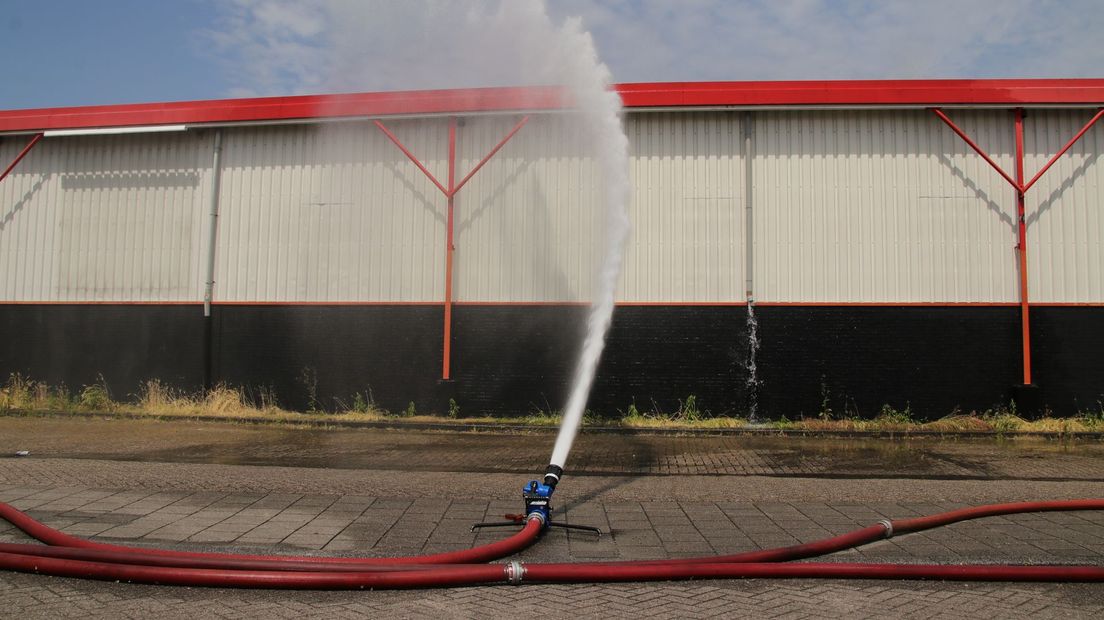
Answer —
(331, 213)
(112, 218)
(882, 206)
(850, 206)
(528, 224)
(1065, 210)
(688, 241)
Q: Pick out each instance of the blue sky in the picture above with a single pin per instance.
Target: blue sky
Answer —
(84, 52)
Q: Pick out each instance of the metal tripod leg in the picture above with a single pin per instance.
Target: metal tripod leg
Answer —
(495, 524)
(571, 526)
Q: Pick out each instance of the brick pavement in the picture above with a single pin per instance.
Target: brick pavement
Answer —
(379, 513)
(215, 442)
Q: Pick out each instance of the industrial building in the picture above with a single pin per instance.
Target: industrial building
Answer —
(934, 245)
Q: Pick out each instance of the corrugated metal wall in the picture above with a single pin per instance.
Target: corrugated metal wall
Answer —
(688, 207)
(528, 226)
(882, 206)
(331, 213)
(114, 218)
(1065, 209)
(849, 206)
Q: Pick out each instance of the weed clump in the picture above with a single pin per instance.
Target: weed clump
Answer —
(96, 397)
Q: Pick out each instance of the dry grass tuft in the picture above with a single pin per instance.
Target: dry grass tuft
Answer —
(223, 401)
(957, 423)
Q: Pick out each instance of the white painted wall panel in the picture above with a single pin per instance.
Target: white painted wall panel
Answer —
(112, 218)
(850, 206)
(687, 210)
(882, 206)
(1065, 208)
(331, 213)
(529, 224)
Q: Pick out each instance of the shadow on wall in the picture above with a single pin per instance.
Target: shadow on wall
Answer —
(1049, 201)
(9, 217)
(130, 180)
(438, 210)
(1004, 212)
(534, 267)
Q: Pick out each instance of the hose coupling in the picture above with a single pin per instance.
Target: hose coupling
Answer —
(888, 525)
(552, 475)
(514, 573)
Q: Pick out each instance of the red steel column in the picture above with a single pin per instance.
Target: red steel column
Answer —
(1021, 247)
(1021, 188)
(450, 192)
(449, 248)
(21, 155)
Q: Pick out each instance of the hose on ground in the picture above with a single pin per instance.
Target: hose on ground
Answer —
(70, 556)
(484, 553)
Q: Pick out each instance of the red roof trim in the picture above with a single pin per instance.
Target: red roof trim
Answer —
(867, 93)
(1088, 92)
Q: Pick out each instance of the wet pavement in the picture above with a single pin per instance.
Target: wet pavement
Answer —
(218, 486)
(593, 454)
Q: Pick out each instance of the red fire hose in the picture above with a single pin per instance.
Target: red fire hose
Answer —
(74, 557)
(476, 574)
(887, 529)
(485, 553)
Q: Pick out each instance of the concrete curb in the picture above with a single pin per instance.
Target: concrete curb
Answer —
(523, 429)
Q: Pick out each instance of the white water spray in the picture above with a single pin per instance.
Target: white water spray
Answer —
(752, 383)
(385, 45)
(601, 109)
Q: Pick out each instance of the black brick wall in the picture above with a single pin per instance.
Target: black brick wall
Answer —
(392, 352)
(72, 345)
(515, 359)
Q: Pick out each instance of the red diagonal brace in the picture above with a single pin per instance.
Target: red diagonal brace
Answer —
(977, 149)
(411, 157)
(1065, 148)
(498, 146)
(21, 155)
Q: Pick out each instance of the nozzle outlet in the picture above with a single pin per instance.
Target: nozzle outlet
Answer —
(553, 475)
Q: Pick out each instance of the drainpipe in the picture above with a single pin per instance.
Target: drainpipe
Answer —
(749, 235)
(212, 237)
(212, 228)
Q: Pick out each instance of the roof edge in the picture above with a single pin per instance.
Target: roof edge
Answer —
(834, 93)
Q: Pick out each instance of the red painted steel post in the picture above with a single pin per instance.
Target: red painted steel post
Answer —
(450, 194)
(21, 155)
(1021, 188)
(1021, 247)
(449, 248)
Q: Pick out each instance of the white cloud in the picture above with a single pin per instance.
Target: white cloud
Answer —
(291, 46)
(645, 40)
(270, 47)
